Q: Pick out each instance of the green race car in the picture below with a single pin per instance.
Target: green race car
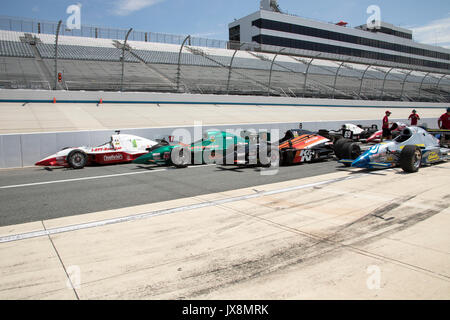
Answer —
(210, 149)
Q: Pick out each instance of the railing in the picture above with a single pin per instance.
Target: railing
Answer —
(22, 84)
(116, 86)
(48, 27)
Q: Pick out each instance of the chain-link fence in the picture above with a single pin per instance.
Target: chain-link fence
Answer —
(202, 66)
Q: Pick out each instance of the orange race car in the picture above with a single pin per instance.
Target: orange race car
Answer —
(297, 146)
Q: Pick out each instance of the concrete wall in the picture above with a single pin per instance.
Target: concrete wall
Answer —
(22, 150)
(44, 96)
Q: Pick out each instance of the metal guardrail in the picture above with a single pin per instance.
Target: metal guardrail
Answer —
(116, 86)
(49, 27)
(19, 84)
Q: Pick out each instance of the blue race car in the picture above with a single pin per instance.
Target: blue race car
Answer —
(413, 148)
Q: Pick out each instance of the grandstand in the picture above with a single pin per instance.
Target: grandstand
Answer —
(27, 60)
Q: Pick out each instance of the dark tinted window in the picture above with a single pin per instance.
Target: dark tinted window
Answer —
(235, 33)
(314, 46)
(324, 34)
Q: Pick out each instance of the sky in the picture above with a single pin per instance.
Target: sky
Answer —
(429, 20)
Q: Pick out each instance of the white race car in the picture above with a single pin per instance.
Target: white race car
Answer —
(396, 128)
(122, 148)
(349, 131)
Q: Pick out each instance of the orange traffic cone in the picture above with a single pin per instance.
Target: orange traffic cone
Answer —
(54, 100)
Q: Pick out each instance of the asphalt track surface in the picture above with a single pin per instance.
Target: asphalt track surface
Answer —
(35, 194)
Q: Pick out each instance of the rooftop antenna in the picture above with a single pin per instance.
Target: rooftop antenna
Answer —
(270, 5)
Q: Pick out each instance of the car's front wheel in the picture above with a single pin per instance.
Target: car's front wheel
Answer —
(350, 151)
(77, 159)
(338, 147)
(180, 157)
(411, 159)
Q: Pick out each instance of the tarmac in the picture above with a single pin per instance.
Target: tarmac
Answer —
(350, 234)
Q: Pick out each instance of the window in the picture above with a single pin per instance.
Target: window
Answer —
(325, 34)
(235, 33)
(314, 46)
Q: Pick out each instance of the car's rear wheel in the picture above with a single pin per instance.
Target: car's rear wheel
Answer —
(287, 157)
(273, 157)
(410, 159)
(77, 159)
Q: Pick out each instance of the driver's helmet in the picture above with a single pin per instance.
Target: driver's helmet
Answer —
(406, 134)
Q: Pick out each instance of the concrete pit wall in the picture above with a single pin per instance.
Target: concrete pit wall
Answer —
(23, 150)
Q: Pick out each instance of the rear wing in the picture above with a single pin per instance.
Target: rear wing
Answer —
(438, 131)
(345, 133)
(444, 136)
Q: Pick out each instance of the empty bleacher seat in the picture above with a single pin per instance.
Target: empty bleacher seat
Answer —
(84, 53)
(15, 49)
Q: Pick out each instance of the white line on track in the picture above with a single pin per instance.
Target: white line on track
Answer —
(95, 177)
(147, 215)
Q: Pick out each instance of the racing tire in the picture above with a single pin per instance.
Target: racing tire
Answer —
(350, 151)
(274, 157)
(338, 147)
(410, 159)
(287, 157)
(77, 159)
(180, 158)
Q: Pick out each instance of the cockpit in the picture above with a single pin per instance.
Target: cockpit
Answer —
(291, 134)
(404, 136)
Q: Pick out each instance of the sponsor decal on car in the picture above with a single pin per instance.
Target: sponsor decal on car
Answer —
(104, 149)
(113, 157)
(307, 155)
(433, 156)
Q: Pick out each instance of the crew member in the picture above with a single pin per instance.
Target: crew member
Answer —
(414, 117)
(386, 129)
(444, 120)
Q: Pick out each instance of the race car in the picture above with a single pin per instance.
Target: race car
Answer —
(396, 129)
(413, 148)
(349, 131)
(122, 148)
(297, 146)
(210, 149)
(442, 134)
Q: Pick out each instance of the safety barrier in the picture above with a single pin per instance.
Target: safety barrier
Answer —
(22, 150)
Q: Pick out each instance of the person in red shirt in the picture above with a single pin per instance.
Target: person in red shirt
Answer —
(386, 127)
(414, 117)
(444, 120)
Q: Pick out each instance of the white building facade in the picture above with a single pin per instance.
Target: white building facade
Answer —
(390, 44)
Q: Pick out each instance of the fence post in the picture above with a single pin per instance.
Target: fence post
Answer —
(123, 58)
(403, 84)
(362, 79)
(231, 67)
(306, 76)
(335, 79)
(271, 69)
(384, 82)
(56, 54)
(421, 84)
(179, 62)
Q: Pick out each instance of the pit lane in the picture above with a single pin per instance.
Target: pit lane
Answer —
(35, 194)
